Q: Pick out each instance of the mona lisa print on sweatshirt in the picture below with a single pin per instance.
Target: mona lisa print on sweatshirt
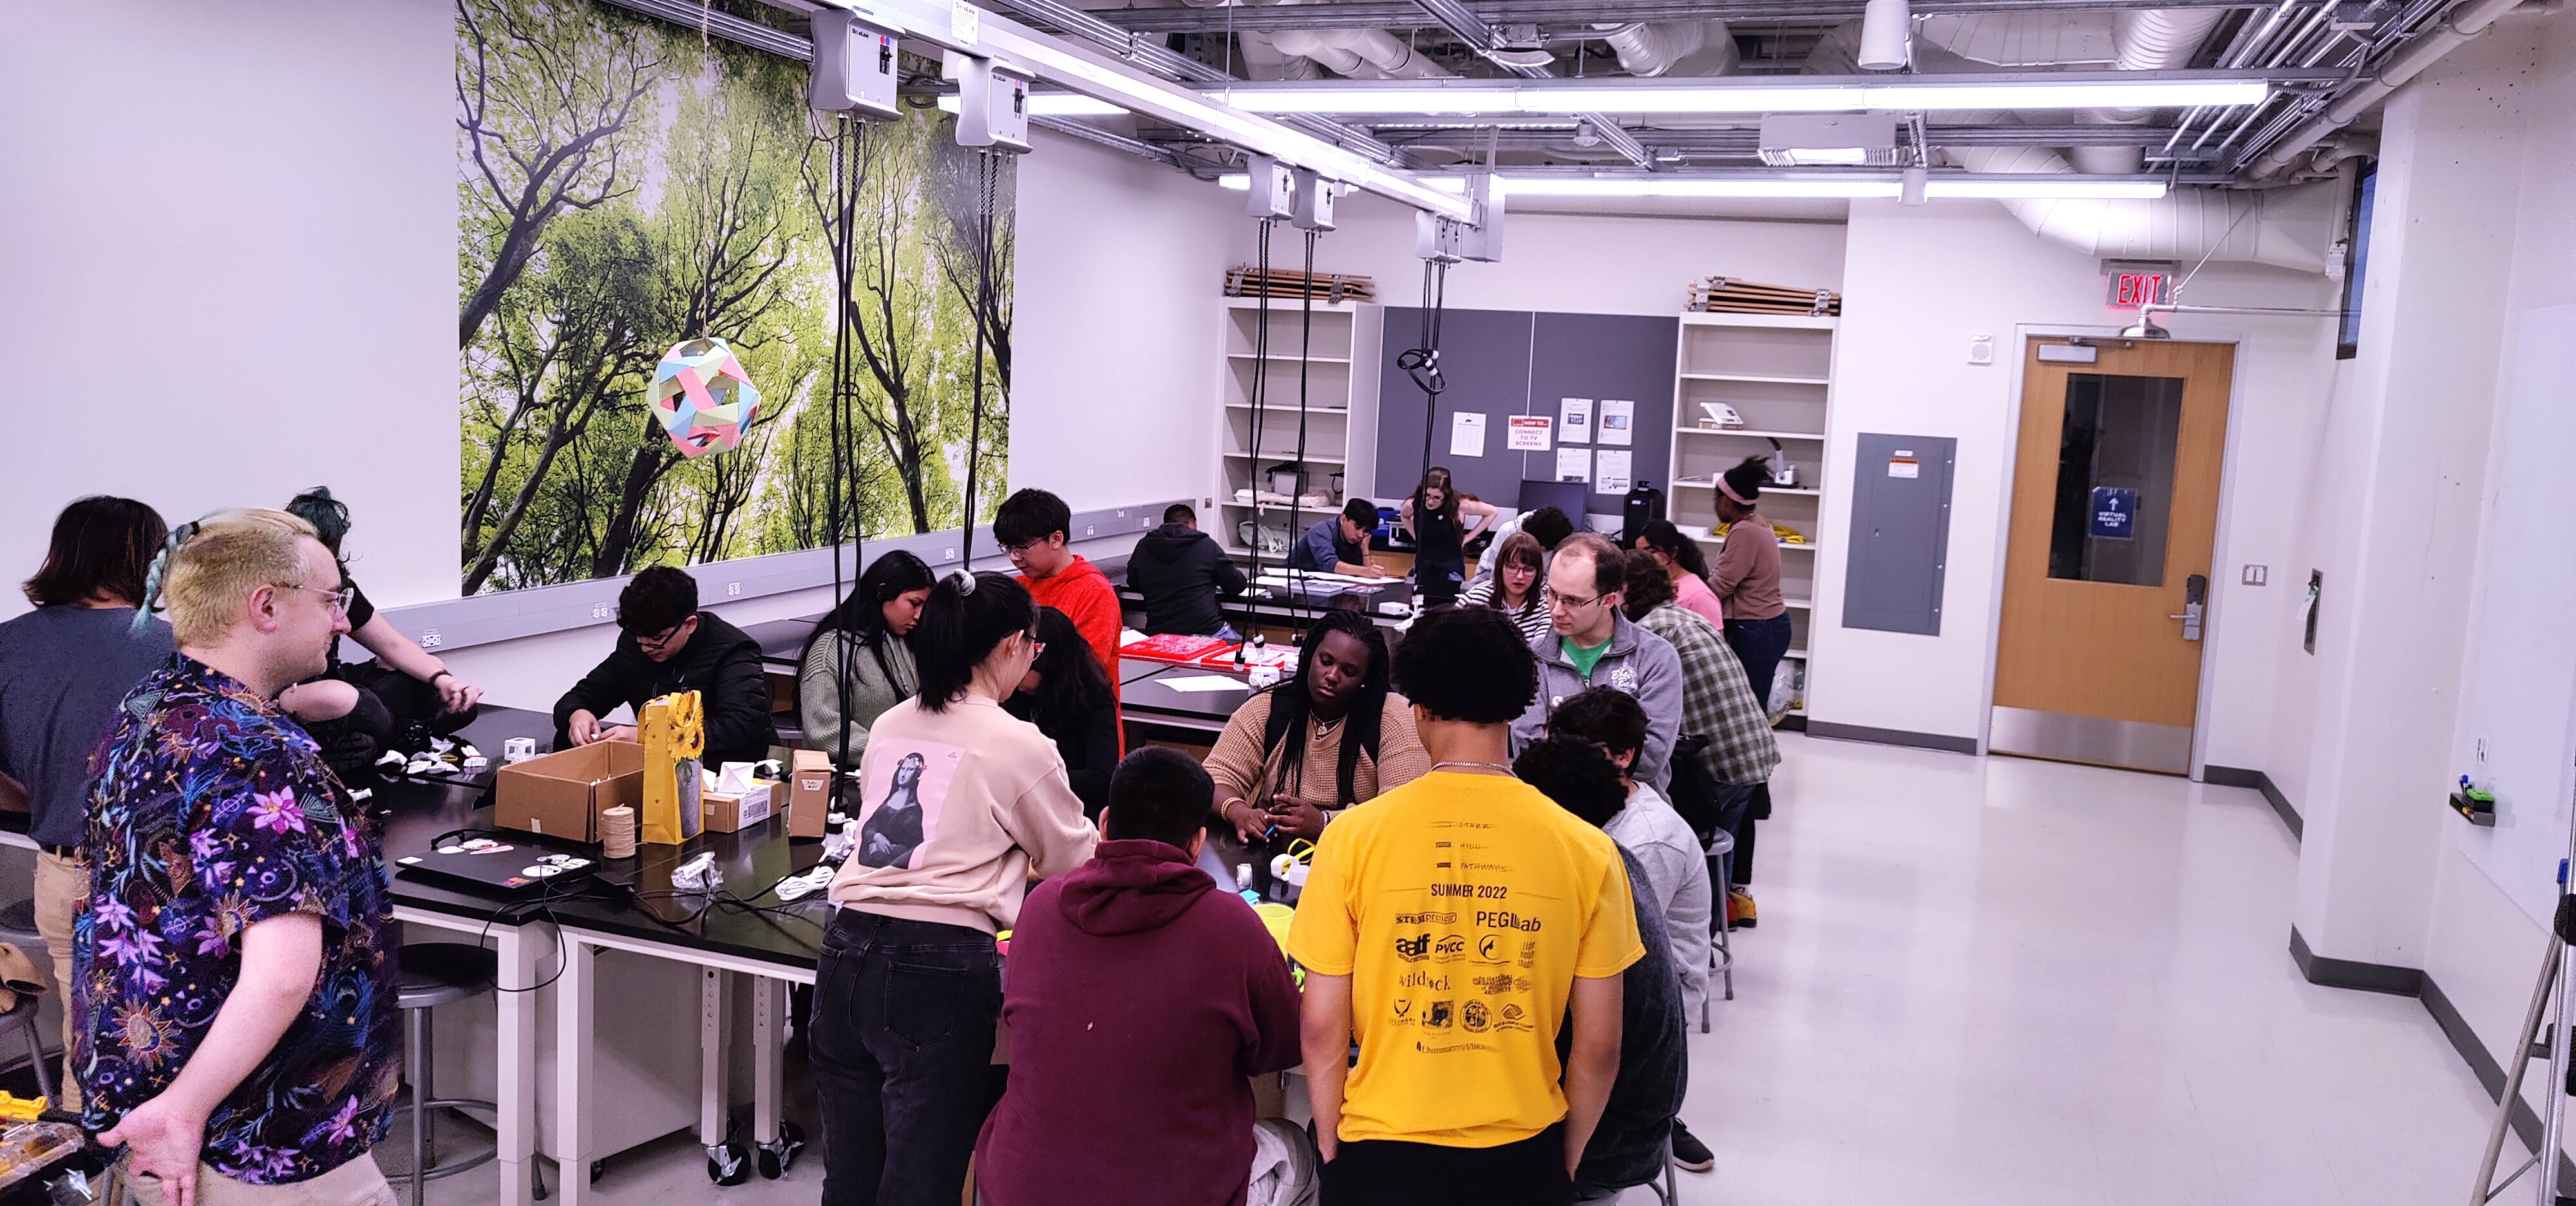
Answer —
(902, 792)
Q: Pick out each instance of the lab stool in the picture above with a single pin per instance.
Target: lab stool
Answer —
(1668, 1192)
(433, 974)
(18, 929)
(1721, 957)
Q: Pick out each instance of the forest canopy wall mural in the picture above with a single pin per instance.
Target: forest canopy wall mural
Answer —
(625, 185)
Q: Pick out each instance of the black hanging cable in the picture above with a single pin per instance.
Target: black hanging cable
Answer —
(841, 488)
(1305, 362)
(1252, 445)
(1424, 362)
(988, 173)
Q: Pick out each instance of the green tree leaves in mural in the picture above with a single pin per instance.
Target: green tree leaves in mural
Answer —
(626, 185)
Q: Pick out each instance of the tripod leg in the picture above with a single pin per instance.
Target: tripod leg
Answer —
(2517, 1062)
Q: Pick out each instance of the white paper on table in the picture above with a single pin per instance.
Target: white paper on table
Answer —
(1618, 421)
(1577, 416)
(1610, 471)
(1202, 682)
(1527, 433)
(1573, 464)
(1467, 433)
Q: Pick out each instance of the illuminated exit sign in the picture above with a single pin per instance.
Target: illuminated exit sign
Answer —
(2129, 284)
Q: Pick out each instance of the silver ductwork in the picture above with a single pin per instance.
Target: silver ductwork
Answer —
(2289, 228)
(1653, 48)
(1359, 53)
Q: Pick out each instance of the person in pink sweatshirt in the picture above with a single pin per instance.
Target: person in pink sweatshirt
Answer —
(960, 804)
(1140, 998)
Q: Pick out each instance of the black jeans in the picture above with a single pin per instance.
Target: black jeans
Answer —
(1386, 1172)
(1759, 644)
(902, 1042)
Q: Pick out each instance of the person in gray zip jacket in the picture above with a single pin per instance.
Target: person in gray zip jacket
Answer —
(1590, 644)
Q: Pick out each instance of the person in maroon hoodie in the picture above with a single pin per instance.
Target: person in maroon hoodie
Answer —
(1140, 997)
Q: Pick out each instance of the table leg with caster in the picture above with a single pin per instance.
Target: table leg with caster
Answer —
(778, 1141)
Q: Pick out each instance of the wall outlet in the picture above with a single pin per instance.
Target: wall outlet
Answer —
(948, 554)
(429, 639)
(2256, 575)
(732, 589)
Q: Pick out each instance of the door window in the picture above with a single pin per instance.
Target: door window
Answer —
(2115, 470)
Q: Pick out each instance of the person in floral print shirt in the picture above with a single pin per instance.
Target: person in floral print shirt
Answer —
(237, 1028)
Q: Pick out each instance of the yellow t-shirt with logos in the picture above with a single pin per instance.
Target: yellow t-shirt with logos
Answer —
(1461, 906)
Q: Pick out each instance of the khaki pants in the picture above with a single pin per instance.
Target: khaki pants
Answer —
(356, 1183)
(62, 889)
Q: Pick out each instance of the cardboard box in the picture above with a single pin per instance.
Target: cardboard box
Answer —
(809, 795)
(561, 794)
(731, 814)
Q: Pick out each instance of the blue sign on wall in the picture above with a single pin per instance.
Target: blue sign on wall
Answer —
(2115, 514)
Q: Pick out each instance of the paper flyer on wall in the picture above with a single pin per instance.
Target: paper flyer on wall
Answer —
(1576, 415)
(1573, 464)
(1610, 472)
(1467, 433)
(1526, 433)
(1618, 421)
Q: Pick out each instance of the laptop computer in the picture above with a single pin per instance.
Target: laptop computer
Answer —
(507, 866)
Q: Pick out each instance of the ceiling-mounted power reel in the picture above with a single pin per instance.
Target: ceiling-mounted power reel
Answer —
(992, 102)
(1479, 237)
(854, 71)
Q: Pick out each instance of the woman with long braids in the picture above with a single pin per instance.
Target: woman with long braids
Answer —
(871, 628)
(1329, 736)
(961, 804)
(1678, 558)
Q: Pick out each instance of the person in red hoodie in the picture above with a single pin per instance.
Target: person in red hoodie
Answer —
(1034, 527)
(1139, 998)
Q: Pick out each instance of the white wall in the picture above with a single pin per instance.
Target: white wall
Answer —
(231, 242)
(1919, 283)
(244, 280)
(1563, 263)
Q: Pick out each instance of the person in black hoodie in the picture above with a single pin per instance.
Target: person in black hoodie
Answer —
(668, 645)
(1181, 571)
(1627, 1149)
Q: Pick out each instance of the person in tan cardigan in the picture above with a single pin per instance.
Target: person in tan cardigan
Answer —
(1329, 736)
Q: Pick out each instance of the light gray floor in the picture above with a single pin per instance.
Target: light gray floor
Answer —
(1998, 981)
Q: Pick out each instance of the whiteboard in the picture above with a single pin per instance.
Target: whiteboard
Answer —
(2521, 693)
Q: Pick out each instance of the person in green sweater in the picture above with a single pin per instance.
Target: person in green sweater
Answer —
(858, 663)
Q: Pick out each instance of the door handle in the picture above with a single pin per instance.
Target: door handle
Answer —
(2195, 589)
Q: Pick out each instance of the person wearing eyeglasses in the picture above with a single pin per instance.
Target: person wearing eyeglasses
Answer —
(959, 805)
(354, 709)
(234, 967)
(1034, 527)
(666, 644)
(1590, 644)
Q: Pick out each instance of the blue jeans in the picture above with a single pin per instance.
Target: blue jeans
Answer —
(1759, 644)
(902, 1041)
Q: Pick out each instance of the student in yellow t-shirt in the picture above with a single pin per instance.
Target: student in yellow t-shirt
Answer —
(1451, 924)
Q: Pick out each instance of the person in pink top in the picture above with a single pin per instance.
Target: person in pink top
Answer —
(1684, 565)
(1747, 581)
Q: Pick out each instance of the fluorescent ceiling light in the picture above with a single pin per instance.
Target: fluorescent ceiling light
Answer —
(2049, 187)
(1053, 104)
(1574, 98)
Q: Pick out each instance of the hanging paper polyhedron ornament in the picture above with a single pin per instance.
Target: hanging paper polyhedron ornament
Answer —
(702, 397)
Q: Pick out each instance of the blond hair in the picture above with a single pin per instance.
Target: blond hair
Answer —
(229, 555)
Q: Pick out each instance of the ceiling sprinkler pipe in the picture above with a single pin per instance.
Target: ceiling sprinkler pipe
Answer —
(2467, 21)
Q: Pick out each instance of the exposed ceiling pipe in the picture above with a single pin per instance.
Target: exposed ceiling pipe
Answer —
(1654, 48)
(2150, 39)
(1263, 60)
(1348, 52)
(2468, 20)
(2286, 228)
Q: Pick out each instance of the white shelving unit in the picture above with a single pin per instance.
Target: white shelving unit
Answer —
(1341, 410)
(1777, 372)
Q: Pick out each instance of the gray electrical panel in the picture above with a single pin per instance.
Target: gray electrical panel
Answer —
(1900, 533)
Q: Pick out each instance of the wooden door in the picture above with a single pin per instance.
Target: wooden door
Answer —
(2114, 511)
